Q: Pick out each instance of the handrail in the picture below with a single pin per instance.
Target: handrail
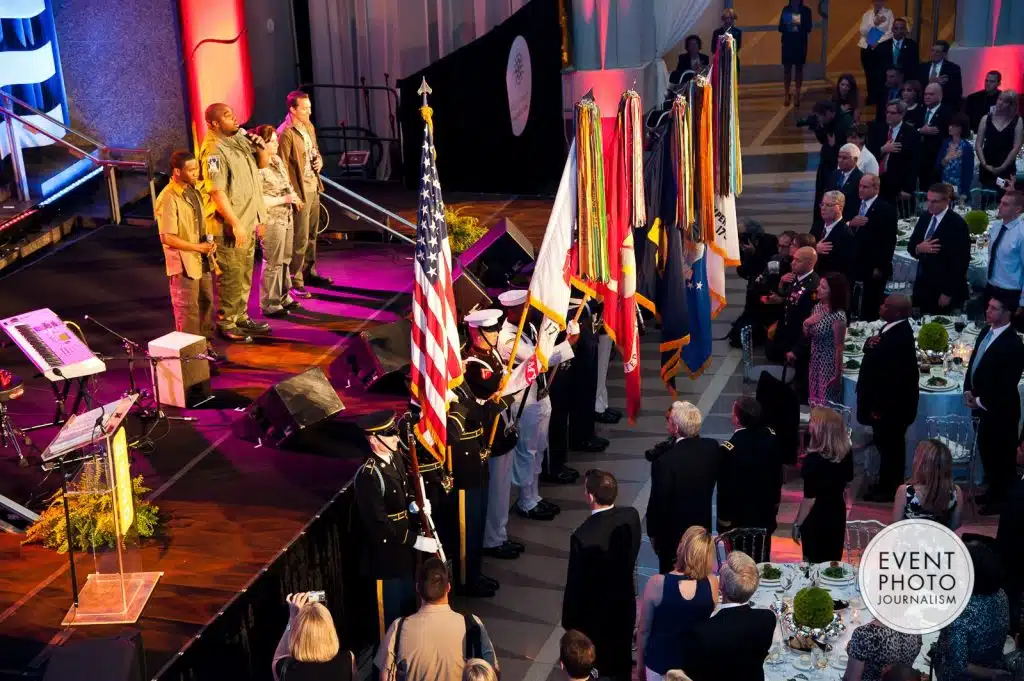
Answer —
(26, 105)
(359, 197)
(348, 192)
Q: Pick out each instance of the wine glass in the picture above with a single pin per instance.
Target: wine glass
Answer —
(820, 655)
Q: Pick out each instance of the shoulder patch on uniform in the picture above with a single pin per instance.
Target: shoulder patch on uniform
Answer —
(213, 164)
(728, 446)
(771, 430)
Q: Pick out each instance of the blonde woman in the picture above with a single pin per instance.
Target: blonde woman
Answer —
(478, 670)
(309, 648)
(820, 524)
(875, 28)
(931, 494)
(674, 602)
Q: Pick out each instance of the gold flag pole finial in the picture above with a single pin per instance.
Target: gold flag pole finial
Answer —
(425, 109)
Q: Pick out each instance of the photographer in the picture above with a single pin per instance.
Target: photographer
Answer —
(830, 125)
(309, 648)
(756, 313)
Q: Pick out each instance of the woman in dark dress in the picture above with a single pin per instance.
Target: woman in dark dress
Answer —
(931, 493)
(309, 649)
(911, 96)
(820, 525)
(1000, 134)
(794, 25)
(847, 98)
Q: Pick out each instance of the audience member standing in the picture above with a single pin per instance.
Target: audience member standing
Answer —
(1000, 135)
(896, 147)
(276, 244)
(795, 23)
(875, 27)
(825, 330)
(301, 155)
(600, 597)
(931, 494)
(728, 26)
(990, 390)
(933, 133)
(875, 229)
(309, 649)
(874, 646)
(912, 94)
(955, 163)
(1010, 544)
(847, 98)
(577, 656)
(942, 245)
(944, 72)
(887, 393)
(674, 603)
(847, 178)
(232, 182)
(836, 245)
(798, 301)
(1006, 254)
(434, 643)
(682, 483)
(820, 524)
(750, 487)
(899, 51)
(866, 161)
(983, 102)
(892, 90)
(737, 637)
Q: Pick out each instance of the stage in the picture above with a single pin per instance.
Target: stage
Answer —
(232, 507)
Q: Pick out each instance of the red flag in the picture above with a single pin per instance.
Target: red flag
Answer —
(619, 294)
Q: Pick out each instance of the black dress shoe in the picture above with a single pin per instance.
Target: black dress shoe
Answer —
(617, 413)
(594, 444)
(489, 582)
(253, 327)
(549, 507)
(606, 417)
(503, 552)
(518, 547)
(293, 305)
(234, 335)
(299, 292)
(314, 279)
(538, 512)
(277, 314)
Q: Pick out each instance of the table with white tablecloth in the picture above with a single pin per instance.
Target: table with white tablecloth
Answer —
(905, 265)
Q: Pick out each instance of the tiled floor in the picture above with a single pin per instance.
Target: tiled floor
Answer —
(523, 619)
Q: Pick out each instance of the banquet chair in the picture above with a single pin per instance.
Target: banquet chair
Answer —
(904, 271)
(859, 534)
(907, 208)
(984, 199)
(752, 541)
(960, 433)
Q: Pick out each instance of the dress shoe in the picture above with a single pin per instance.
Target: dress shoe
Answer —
(292, 305)
(617, 413)
(299, 292)
(277, 314)
(560, 478)
(606, 417)
(518, 547)
(253, 327)
(234, 335)
(211, 352)
(314, 279)
(538, 512)
(503, 552)
(594, 444)
(549, 507)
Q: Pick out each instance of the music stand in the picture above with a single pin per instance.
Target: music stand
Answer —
(98, 435)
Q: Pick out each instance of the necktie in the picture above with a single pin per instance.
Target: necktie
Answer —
(931, 227)
(896, 44)
(935, 71)
(928, 118)
(885, 158)
(995, 249)
(981, 350)
(863, 208)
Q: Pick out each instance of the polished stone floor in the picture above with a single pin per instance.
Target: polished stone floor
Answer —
(523, 619)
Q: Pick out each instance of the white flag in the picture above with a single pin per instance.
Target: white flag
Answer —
(724, 252)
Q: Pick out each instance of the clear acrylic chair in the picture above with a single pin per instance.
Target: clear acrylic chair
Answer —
(984, 199)
(752, 541)
(859, 534)
(904, 271)
(959, 432)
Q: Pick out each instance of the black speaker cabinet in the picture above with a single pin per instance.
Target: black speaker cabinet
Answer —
(376, 360)
(498, 256)
(469, 291)
(116, 658)
(292, 408)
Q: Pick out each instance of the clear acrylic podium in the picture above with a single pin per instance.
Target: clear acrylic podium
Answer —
(97, 441)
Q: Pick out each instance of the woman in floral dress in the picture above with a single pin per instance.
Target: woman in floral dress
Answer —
(825, 330)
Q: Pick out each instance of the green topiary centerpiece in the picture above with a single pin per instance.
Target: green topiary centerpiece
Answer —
(977, 222)
(933, 337)
(812, 608)
(463, 230)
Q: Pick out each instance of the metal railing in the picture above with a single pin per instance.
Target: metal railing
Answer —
(388, 215)
(109, 165)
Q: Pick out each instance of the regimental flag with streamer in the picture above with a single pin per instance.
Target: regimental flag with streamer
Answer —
(626, 209)
(728, 170)
(436, 362)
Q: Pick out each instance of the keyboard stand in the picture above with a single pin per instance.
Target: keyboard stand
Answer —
(60, 398)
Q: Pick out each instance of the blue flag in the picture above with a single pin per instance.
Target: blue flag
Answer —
(697, 353)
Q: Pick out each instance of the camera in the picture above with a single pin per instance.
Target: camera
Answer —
(812, 122)
(316, 596)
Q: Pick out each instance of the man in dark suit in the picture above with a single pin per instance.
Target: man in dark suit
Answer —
(682, 483)
(942, 245)
(935, 130)
(728, 26)
(887, 393)
(901, 52)
(944, 72)
(874, 228)
(1010, 543)
(750, 489)
(846, 178)
(737, 637)
(692, 59)
(990, 390)
(981, 103)
(837, 247)
(600, 599)
(891, 91)
(895, 145)
(830, 126)
(797, 289)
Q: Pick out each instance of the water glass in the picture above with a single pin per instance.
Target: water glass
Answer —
(820, 657)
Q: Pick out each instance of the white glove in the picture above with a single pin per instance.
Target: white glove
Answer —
(415, 508)
(572, 328)
(425, 544)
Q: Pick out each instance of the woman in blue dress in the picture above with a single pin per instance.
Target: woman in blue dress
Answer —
(794, 25)
(956, 156)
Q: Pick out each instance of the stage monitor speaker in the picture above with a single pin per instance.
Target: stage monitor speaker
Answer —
(115, 658)
(181, 378)
(498, 256)
(377, 360)
(469, 292)
(294, 407)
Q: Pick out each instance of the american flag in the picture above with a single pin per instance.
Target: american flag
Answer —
(436, 362)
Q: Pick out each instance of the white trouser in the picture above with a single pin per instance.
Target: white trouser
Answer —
(499, 490)
(529, 452)
(604, 356)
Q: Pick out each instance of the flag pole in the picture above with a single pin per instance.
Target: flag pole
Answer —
(420, 494)
(508, 371)
(575, 318)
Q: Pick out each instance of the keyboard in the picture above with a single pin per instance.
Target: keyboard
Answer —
(56, 351)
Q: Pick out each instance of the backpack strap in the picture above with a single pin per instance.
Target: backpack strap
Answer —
(474, 644)
(398, 667)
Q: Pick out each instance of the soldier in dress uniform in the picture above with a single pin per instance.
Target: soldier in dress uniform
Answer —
(383, 494)
(437, 478)
(750, 489)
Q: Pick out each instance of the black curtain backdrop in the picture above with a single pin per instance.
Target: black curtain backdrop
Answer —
(476, 148)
